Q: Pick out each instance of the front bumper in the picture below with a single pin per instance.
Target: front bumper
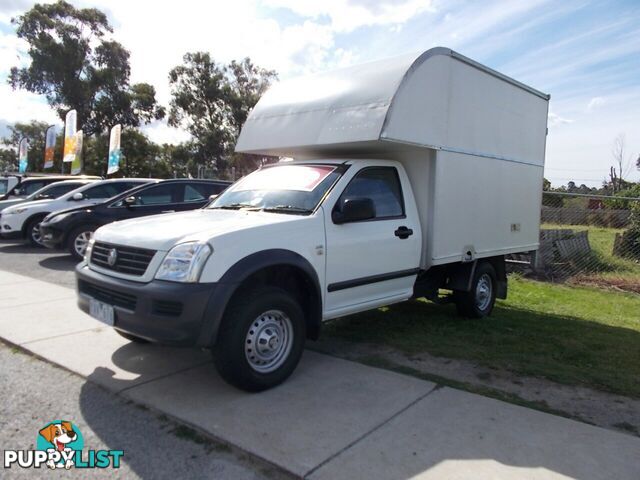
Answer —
(165, 312)
(10, 235)
(11, 227)
(51, 237)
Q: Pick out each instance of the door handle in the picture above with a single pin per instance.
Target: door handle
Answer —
(403, 232)
(168, 211)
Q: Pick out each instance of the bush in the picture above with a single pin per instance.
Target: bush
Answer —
(628, 243)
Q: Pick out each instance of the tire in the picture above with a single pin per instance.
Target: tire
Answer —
(32, 231)
(131, 338)
(267, 316)
(479, 301)
(75, 241)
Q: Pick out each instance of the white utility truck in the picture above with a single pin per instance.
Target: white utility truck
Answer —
(411, 175)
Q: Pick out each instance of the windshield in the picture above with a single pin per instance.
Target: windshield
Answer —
(295, 189)
(3, 186)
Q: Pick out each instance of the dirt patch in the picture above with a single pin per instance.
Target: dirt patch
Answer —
(615, 412)
(617, 284)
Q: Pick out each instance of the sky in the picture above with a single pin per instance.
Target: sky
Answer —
(586, 54)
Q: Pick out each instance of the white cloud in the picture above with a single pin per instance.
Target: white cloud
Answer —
(22, 106)
(160, 132)
(555, 119)
(348, 15)
(595, 102)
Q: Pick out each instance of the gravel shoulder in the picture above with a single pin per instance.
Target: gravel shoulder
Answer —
(35, 392)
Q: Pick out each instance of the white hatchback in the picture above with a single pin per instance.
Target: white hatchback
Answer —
(23, 221)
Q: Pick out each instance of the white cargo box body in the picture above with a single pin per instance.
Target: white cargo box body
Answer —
(471, 139)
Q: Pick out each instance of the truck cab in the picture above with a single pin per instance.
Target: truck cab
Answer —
(378, 207)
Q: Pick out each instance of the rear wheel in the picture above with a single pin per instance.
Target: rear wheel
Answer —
(260, 340)
(479, 301)
(32, 230)
(78, 240)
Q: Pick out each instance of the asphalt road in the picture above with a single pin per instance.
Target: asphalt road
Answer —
(35, 392)
(41, 263)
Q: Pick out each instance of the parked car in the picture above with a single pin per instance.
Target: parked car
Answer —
(29, 184)
(51, 191)
(7, 182)
(421, 174)
(23, 221)
(72, 228)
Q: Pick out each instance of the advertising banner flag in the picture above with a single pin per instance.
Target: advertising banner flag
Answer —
(70, 125)
(23, 154)
(76, 165)
(49, 146)
(114, 150)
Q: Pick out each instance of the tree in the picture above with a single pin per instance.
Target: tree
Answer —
(8, 160)
(35, 131)
(75, 65)
(621, 160)
(212, 101)
(140, 156)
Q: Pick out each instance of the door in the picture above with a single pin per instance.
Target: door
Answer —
(371, 262)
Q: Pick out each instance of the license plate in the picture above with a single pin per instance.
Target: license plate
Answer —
(101, 311)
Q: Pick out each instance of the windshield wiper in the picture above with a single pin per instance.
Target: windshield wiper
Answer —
(236, 206)
(287, 209)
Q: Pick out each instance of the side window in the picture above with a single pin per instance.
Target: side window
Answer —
(57, 190)
(197, 192)
(107, 190)
(129, 186)
(30, 187)
(380, 184)
(99, 191)
(158, 195)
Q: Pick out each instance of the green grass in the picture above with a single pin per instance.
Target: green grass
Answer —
(568, 334)
(601, 240)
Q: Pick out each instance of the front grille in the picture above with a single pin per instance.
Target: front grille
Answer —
(129, 260)
(107, 295)
(167, 307)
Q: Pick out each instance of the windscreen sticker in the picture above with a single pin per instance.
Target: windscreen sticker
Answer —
(292, 177)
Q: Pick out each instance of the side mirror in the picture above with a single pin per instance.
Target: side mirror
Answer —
(213, 197)
(78, 196)
(129, 201)
(354, 210)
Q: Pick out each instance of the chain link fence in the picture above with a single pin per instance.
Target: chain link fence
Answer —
(586, 239)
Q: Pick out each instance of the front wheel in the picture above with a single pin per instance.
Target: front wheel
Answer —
(33, 232)
(260, 340)
(479, 301)
(78, 240)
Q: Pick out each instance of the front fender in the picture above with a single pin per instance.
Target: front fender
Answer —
(234, 277)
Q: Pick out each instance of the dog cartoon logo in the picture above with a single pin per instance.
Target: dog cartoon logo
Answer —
(60, 436)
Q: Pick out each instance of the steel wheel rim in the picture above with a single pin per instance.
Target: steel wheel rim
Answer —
(268, 341)
(81, 241)
(484, 290)
(35, 234)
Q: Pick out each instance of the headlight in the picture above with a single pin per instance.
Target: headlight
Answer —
(15, 210)
(184, 262)
(87, 252)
